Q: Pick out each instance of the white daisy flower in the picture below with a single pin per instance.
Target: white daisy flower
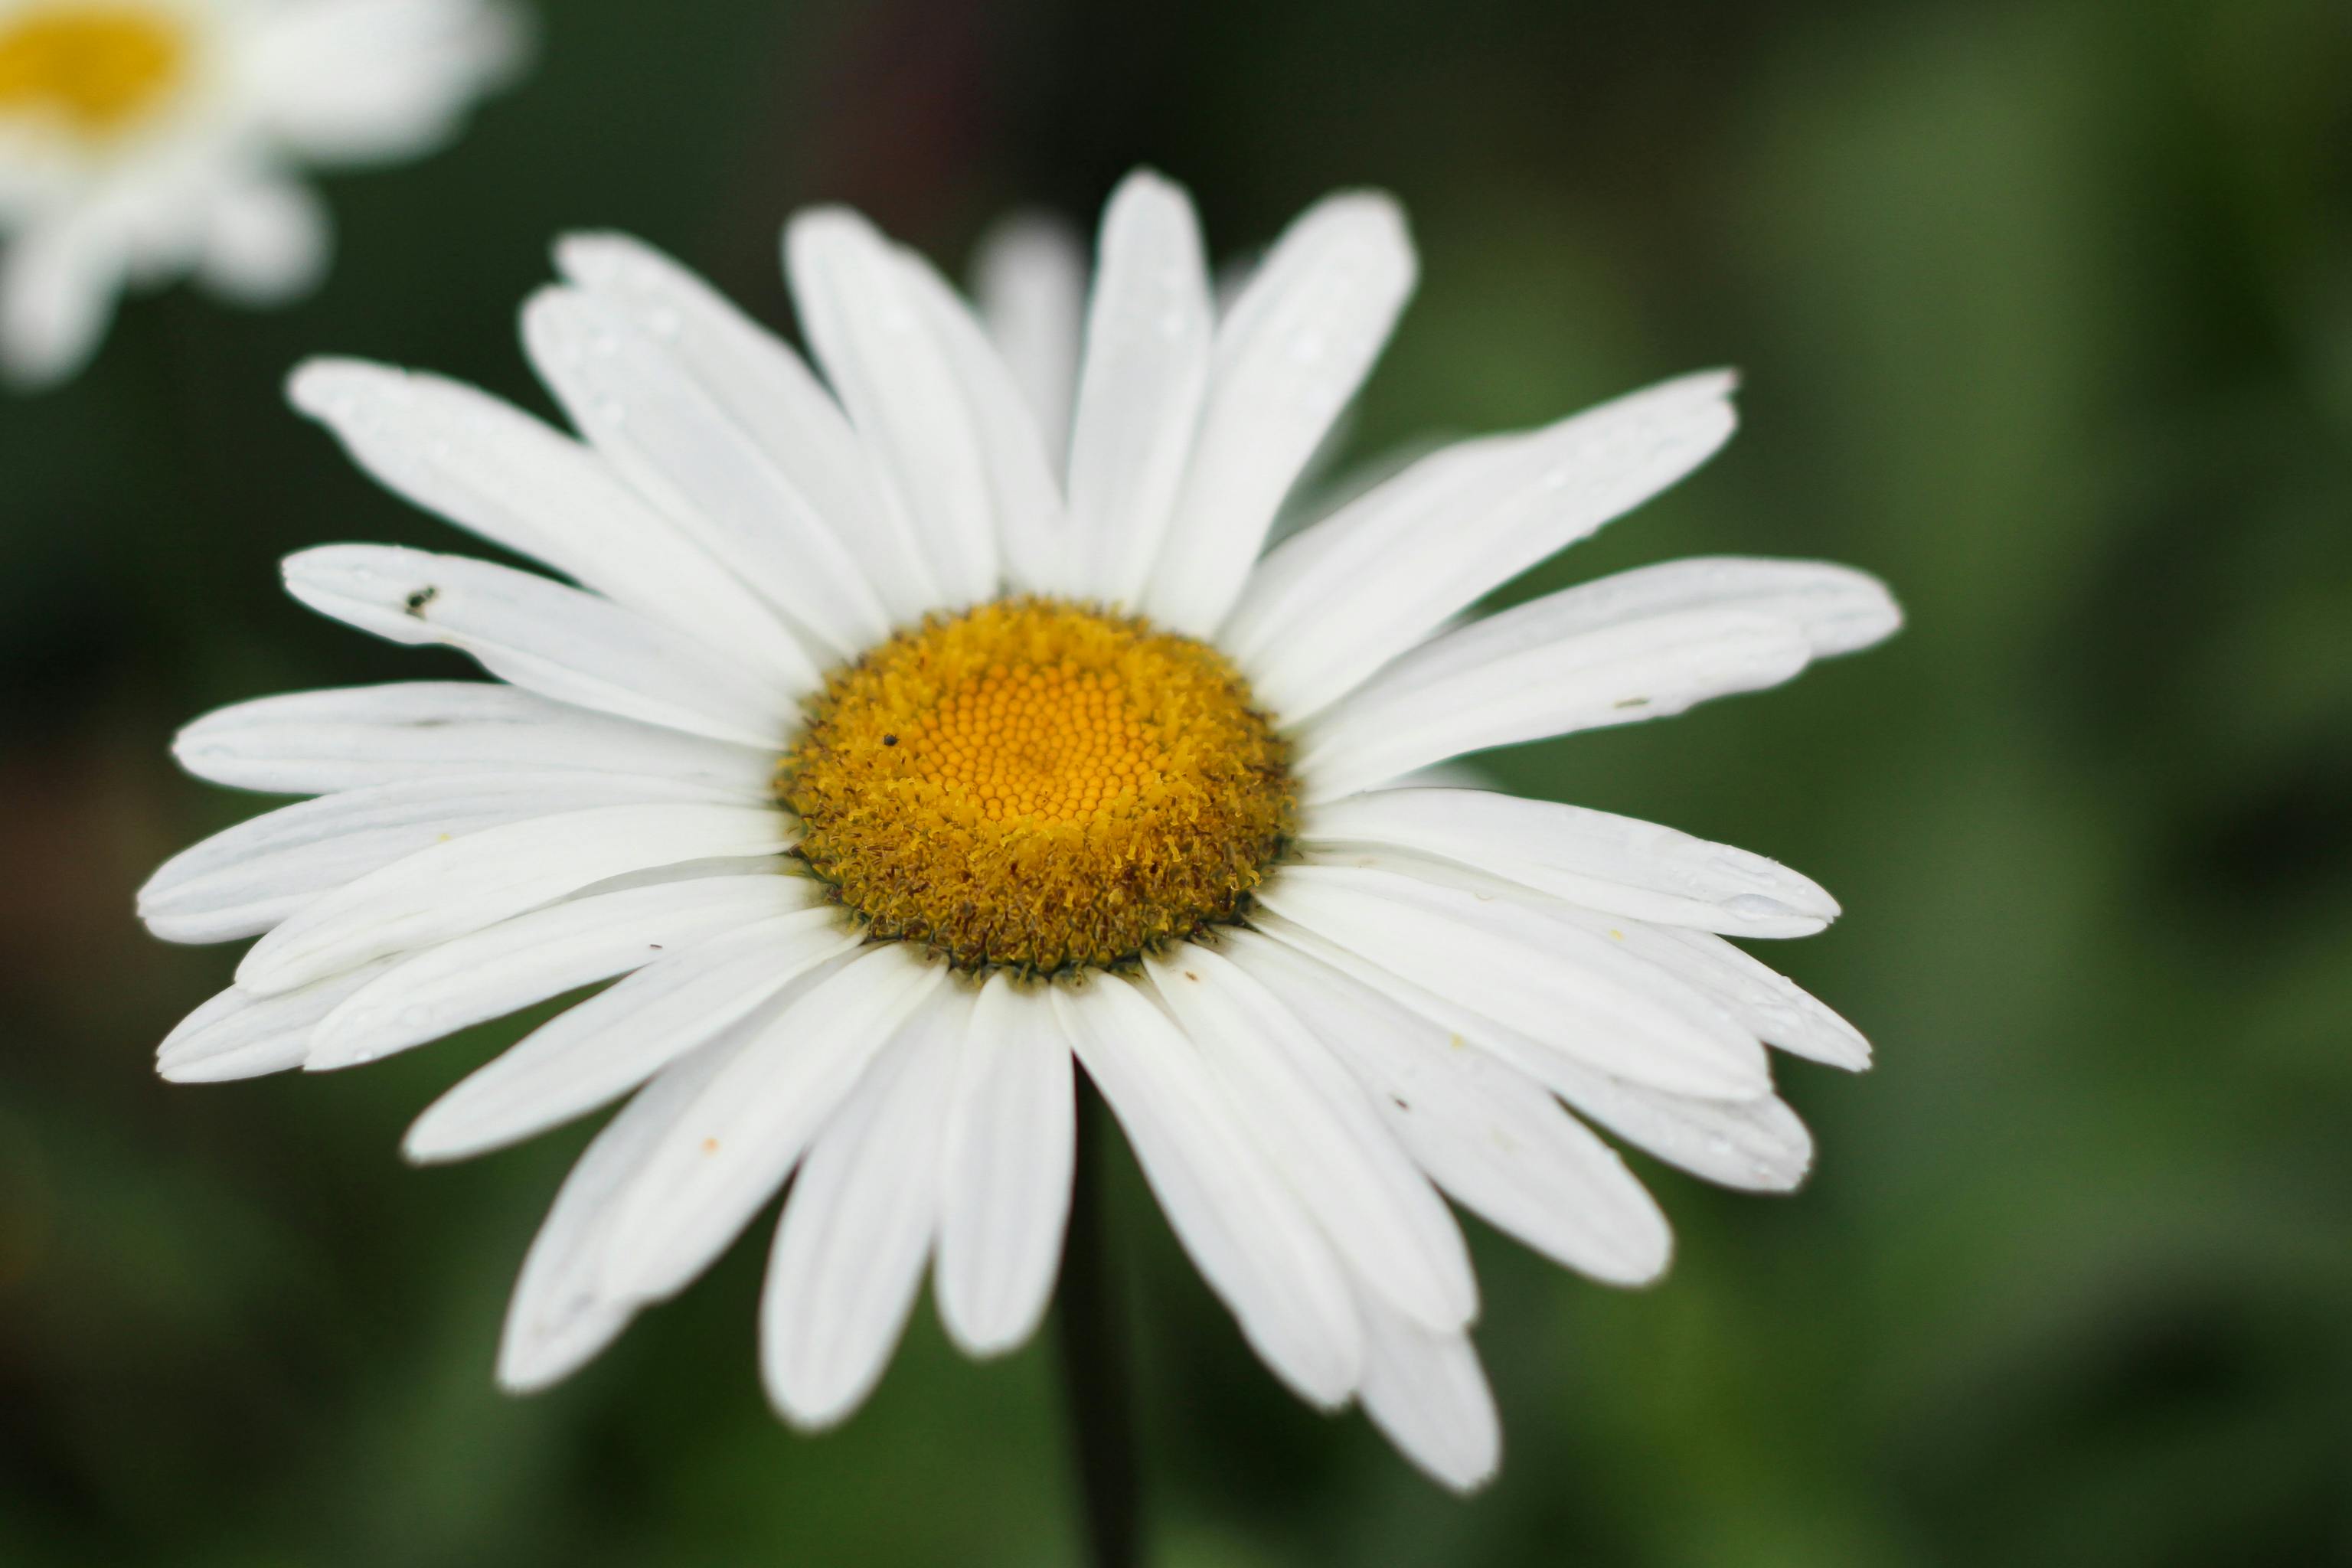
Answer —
(895, 764)
(142, 140)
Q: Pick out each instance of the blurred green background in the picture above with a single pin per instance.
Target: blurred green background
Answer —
(2046, 315)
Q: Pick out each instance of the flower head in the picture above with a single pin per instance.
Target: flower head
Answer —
(902, 738)
(142, 140)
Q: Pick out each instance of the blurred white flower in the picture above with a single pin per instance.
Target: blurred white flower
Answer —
(142, 140)
(912, 736)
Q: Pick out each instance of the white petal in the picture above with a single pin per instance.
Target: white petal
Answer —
(1767, 1003)
(1150, 327)
(266, 241)
(1759, 1000)
(310, 743)
(490, 467)
(731, 1149)
(539, 634)
(560, 1316)
(1492, 1137)
(58, 283)
(1640, 645)
(515, 962)
(1571, 989)
(771, 396)
(1246, 1233)
(850, 1247)
(453, 888)
(1428, 1395)
(1005, 1161)
(1473, 689)
(1592, 858)
(246, 879)
(239, 1035)
(676, 444)
(362, 80)
(1289, 356)
(1756, 1143)
(617, 1039)
(1838, 609)
(1033, 535)
(1316, 1124)
(1334, 603)
(887, 367)
(1029, 281)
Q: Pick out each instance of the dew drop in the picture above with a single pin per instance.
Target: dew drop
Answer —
(1757, 907)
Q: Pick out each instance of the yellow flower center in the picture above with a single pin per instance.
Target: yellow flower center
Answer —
(1035, 786)
(97, 68)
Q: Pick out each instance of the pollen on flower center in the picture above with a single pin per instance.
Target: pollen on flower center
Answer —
(96, 68)
(1039, 786)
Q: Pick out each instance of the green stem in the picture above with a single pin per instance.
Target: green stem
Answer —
(1094, 1367)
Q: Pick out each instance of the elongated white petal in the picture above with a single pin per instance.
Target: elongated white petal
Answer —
(239, 1035)
(1602, 861)
(1492, 1137)
(266, 241)
(1651, 667)
(1316, 1124)
(1640, 645)
(543, 953)
(359, 80)
(60, 281)
(769, 396)
(1251, 1241)
(1288, 357)
(1751, 993)
(730, 1150)
(1033, 538)
(490, 467)
(246, 879)
(1427, 1393)
(310, 742)
(676, 444)
(887, 367)
(1757, 1143)
(1332, 605)
(459, 887)
(1759, 999)
(557, 641)
(1555, 983)
(1005, 1168)
(1029, 281)
(1781, 1011)
(561, 1316)
(1837, 610)
(1770, 1005)
(1149, 330)
(850, 1246)
(616, 1040)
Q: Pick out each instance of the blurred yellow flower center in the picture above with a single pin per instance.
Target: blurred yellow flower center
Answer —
(1037, 786)
(96, 67)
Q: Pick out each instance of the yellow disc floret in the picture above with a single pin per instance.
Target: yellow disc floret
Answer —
(96, 67)
(1038, 786)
